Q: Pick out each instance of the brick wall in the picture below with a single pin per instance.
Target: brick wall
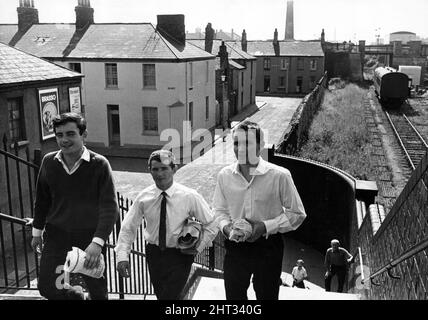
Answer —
(297, 131)
(405, 225)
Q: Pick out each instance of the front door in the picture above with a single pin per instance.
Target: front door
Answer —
(113, 125)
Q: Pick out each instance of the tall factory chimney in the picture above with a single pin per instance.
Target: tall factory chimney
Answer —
(289, 22)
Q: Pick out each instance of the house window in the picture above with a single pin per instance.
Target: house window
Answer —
(313, 63)
(150, 120)
(75, 66)
(266, 84)
(16, 119)
(299, 84)
(207, 108)
(111, 75)
(312, 82)
(282, 81)
(149, 76)
(300, 65)
(266, 63)
(191, 114)
(284, 64)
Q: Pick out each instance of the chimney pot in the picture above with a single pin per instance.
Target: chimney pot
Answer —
(27, 15)
(244, 41)
(84, 14)
(209, 38)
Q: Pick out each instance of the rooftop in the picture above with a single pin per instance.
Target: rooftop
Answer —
(19, 67)
(286, 48)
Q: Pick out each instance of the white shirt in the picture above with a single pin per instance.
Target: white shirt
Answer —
(181, 203)
(299, 275)
(84, 157)
(270, 197)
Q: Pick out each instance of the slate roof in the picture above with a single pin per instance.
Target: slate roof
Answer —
(235, 65)
(233, 49)
(104, 41)
(286, 48)
(7, 31)
(18, 67)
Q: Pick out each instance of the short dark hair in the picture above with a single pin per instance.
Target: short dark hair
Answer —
(250, 126)
(67, 117)
(162, 156)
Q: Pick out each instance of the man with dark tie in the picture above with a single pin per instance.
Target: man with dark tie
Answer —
(166, 206)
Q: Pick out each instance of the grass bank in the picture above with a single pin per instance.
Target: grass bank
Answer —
(339, 136)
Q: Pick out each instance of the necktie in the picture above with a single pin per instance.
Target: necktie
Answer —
(162, 223)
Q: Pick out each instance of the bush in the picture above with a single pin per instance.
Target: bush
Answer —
(339, 136)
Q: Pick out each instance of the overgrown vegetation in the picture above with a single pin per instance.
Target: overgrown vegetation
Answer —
(339, 136)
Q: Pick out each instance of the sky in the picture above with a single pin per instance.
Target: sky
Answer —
(342, 20)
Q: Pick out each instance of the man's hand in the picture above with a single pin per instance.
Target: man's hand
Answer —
(227, 230)
(259, 229)
(124, 269)
(37, 244)
(92, 258)
(327, 274)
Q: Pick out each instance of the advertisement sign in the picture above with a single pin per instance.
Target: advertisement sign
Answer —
(49, 108)
(75, 104)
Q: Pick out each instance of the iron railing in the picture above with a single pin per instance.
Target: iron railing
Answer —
(412, 251)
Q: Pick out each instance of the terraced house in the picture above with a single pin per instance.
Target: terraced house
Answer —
(286, 66)
(139, 79)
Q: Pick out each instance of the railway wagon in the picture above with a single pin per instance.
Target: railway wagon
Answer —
(391, 87)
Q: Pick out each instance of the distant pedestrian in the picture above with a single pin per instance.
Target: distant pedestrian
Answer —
(336, 262)
(299, 275)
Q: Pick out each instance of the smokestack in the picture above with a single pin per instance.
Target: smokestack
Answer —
(244, 41)
(84, 14)
(289, 22)
(172, 27)
(27, 15)
(275, 42)
(209, 37)
(224, 56)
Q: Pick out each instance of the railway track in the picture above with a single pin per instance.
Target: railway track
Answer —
(412, 143)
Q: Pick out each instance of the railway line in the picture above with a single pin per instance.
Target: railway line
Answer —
(411, 141)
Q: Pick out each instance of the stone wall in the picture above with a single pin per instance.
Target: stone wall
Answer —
(404, 226)
(297, 131)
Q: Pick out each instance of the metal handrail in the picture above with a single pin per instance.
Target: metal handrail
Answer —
(406, 255)
(13, 219)
(16, 158)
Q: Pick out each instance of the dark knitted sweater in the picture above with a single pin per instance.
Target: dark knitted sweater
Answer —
(82, 202)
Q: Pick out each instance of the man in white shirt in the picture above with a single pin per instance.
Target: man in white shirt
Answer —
(165, 206)
(299, 274)
(265, 195)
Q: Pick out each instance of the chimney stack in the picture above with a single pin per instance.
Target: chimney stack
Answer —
(84, 14)
(275, 42)
(209, 37)
(171, 26)
(224, 62)
(289, 22)
(27, 15)
(244, 41)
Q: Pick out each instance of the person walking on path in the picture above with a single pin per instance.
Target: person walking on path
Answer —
(166, 206)
(75, 205)
(265, 196)
(299, 275)
(336, 262)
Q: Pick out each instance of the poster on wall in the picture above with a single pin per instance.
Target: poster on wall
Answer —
(49, 108)
(74, 95)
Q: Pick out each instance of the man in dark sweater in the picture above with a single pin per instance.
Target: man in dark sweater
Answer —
(75, 205)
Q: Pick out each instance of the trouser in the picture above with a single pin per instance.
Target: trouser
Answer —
(261, 259)
(300, 284)
(169, 270)
(57, 243)
(340, 271)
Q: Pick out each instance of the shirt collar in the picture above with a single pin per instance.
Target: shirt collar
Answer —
(85, 155)
(169, 192)
(261, 169)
